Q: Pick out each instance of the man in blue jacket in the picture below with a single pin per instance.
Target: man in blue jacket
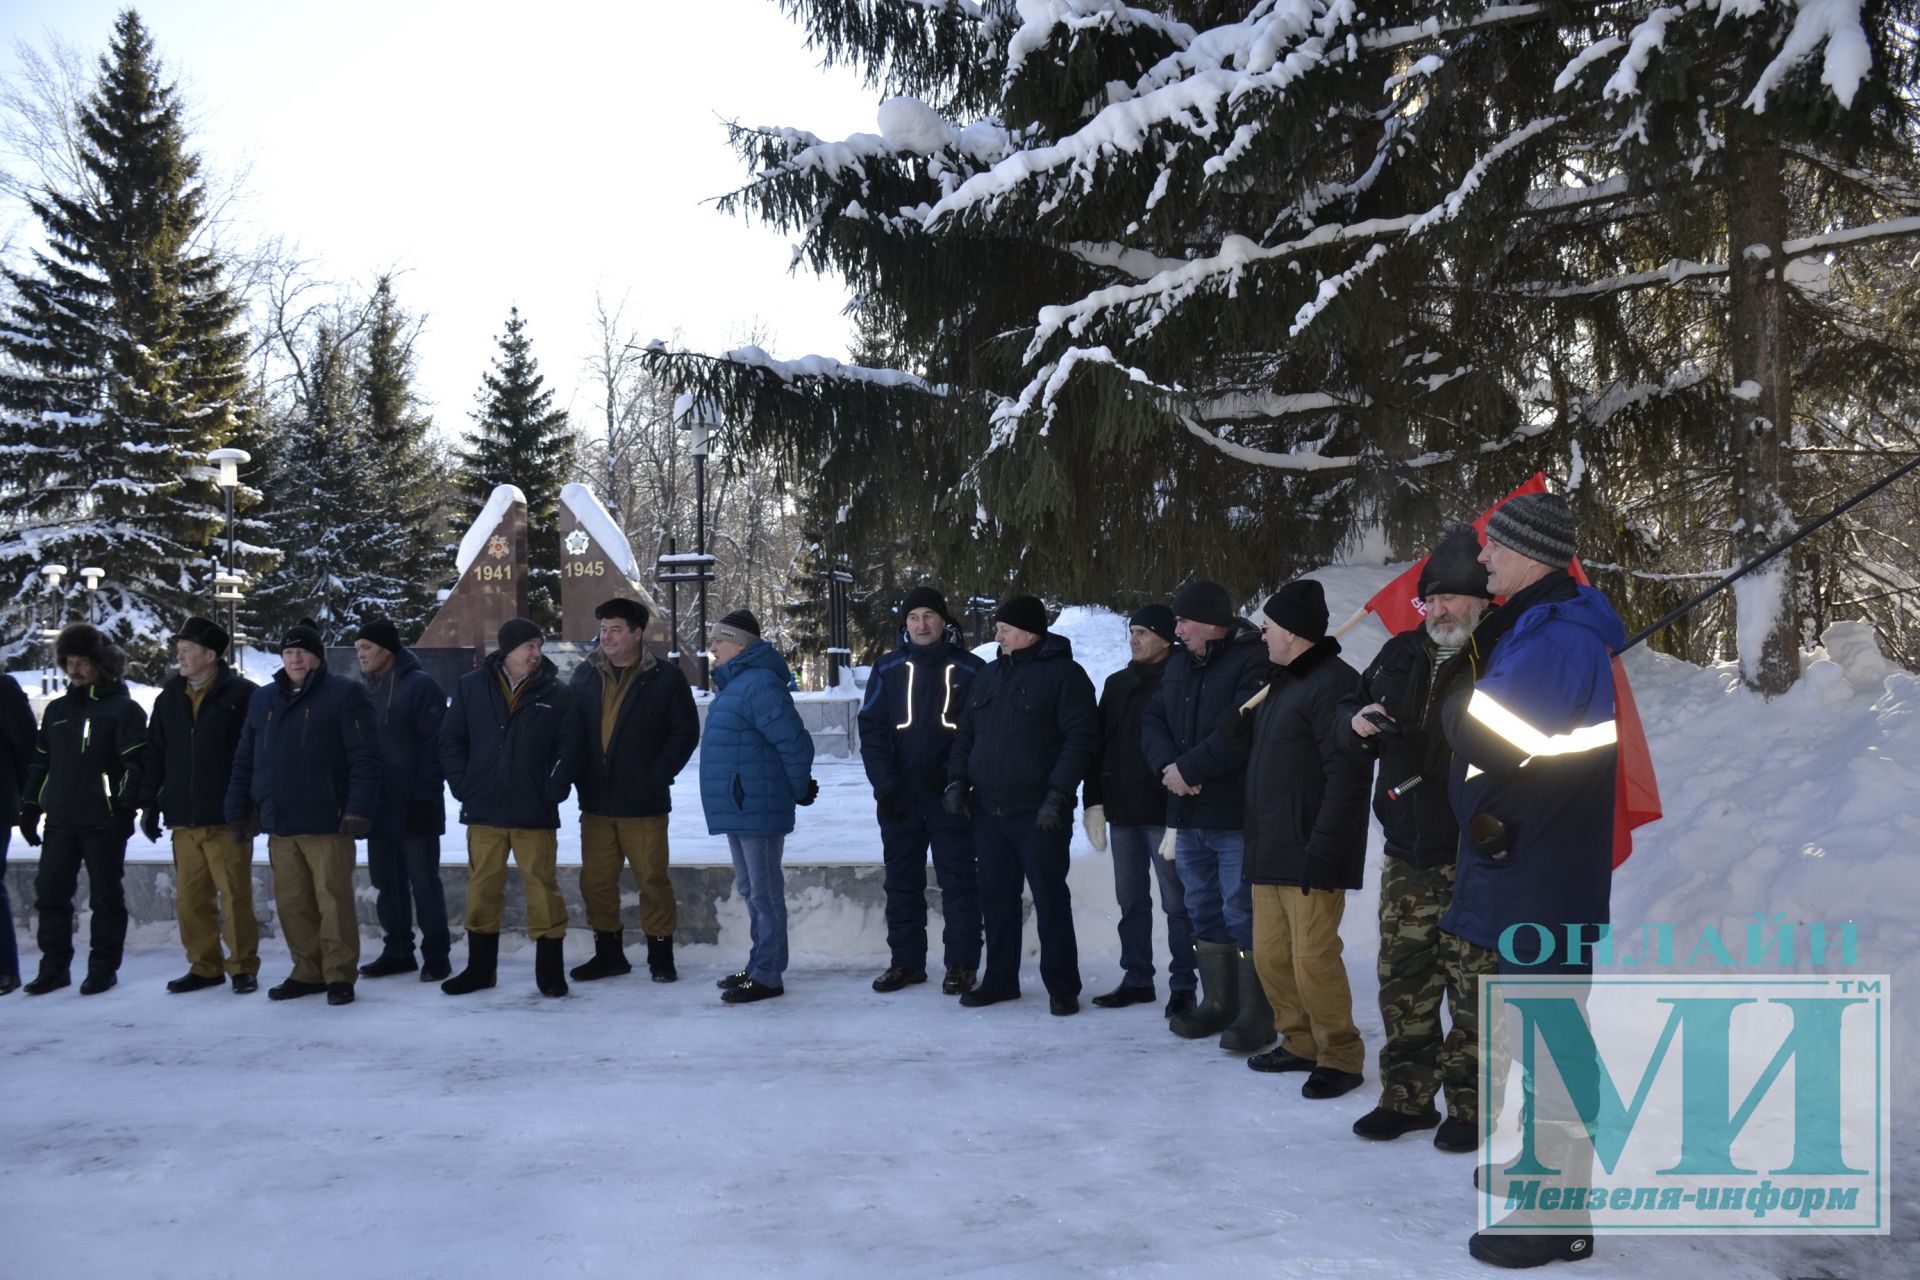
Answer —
(907, 728)
(1532, 787)
(1028, 737)
(510, 752)
(403, 849)
(755, 764)
(307, 773)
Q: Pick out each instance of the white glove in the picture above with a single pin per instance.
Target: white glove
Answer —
(1094, 820)
(1167, 842)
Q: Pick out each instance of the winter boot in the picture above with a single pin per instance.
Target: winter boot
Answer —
(48, 979)
(1219, 992)
(609, 958)
(1563, 1146)
(483, 957)
(550, 966)
(660, 958)
(1252, 1029)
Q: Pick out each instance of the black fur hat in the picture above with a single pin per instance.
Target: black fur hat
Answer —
(82, 640)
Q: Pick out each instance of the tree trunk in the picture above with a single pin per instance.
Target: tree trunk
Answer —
(1767, 615)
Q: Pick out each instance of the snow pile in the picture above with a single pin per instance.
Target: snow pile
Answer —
(499, 502)
(600, 526)
(909, 124)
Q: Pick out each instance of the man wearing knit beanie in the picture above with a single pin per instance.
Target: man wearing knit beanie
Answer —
(1420, 967)
(1532, 786)
(1216, 668)
(1306, 843)
(907, 727)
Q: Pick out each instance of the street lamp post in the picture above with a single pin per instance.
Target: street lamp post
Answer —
(93, 574)
(227, 583)
(697, 417)
(57, 617)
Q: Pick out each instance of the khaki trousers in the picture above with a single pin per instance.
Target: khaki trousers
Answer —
(1296, 951)
(535, 852)
(206, 863)
(313, 895)
(606, 844)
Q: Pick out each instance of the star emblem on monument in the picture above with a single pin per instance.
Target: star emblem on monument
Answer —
(498, 547)
(578, 542)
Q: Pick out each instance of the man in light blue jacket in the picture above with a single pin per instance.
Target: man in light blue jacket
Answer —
(755, 758)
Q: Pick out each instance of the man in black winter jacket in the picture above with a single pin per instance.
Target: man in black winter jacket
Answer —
(1420, 966)
(637, 727)
(1127, 805)
(16, 754)
(85, 777)
(403, 848)
(1027, 738)
(1306, 843)
(197, 721)
(307, 773)
(511, 750)
(907, 729)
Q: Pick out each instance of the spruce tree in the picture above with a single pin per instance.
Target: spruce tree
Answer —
(123, 366)
(519, 438)
(403, 493)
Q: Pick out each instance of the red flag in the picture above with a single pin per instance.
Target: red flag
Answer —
(1398, 604)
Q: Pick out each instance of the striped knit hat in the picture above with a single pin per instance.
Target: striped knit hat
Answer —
(1537, 525)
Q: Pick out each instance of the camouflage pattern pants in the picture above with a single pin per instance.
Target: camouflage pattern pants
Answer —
(1419, 968)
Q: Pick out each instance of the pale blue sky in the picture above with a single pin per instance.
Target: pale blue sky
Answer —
(506, 153)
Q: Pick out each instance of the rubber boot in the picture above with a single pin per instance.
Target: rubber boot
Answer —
(1219, 992)
(1252, 1029)
(660, 958)
(609, 958)
(483, 957)
(550, 966)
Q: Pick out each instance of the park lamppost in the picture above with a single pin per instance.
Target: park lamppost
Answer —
(56, 617)
(93, 574)
(697, 417)
(227, 581)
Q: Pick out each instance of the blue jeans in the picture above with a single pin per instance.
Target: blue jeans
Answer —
(405, 871)
(758, 880)
(1133, 853)
(1218, 901)
(9, 944)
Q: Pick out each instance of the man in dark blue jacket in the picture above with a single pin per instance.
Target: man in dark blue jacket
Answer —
(1027, 738)
(307, 773)
(511, 751)
(403, 849)
(638, 728)
(16, 754)
(1219, 665)
(907, 727)
(197, 721)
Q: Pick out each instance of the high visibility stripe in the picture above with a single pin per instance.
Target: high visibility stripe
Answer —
(1528, 740)
(947, 702)
(908, 722)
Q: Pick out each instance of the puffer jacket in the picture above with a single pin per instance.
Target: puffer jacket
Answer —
(86, 766)
(1183, 722)
(17, 733)
(409, 707)
(510, 764)
(307, 757)
(756, 755)
(1031, 726)
(909, 719)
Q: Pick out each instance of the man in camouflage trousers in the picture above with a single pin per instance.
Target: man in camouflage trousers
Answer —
(1420, 967)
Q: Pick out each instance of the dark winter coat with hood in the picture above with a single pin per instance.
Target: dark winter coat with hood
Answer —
(655, 730)
(308, 757)
(1306, 795)
(85, 772)
(189, 761)
(1031, 726)
(910, 718)
(409, 707)
(17, 734)
(1123, 783)
(1536, 733)
(510, 761)
(756, 755)
(1183, 726)
(1419, 826)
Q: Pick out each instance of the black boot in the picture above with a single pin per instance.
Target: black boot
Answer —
(609, 958)
(958, 981)
(660, 958)
(483, 957)
(1125, 994)
(48, 979)
(1560, 1148)
(1384, 1124)
(550, 966)
(1219, 992)
(1252, 1029)
(1528, 1251)
(1178, 1003)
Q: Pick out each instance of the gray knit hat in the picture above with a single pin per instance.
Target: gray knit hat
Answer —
(1537, 525)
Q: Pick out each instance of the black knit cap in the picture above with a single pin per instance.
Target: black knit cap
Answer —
(1299, 607)
(1156, 618)
(380, 631)
(515, 632)
(924, 598)
(631, 612)
(206, 633)
(742, 620)
(1539, 526)
(1454, 568)
(1206, 602)
(304, 634)
(1024, 612)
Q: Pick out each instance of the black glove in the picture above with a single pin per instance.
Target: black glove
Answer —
(955, 801)
(123, 822)
(353, 826)
(1053, 814)
(1321, 873)
(243, 830)
(811, 794)
(30, 826)
(425, 817)
(891, 810)
(150, 824)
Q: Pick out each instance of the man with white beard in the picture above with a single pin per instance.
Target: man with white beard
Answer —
(1396, 717)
